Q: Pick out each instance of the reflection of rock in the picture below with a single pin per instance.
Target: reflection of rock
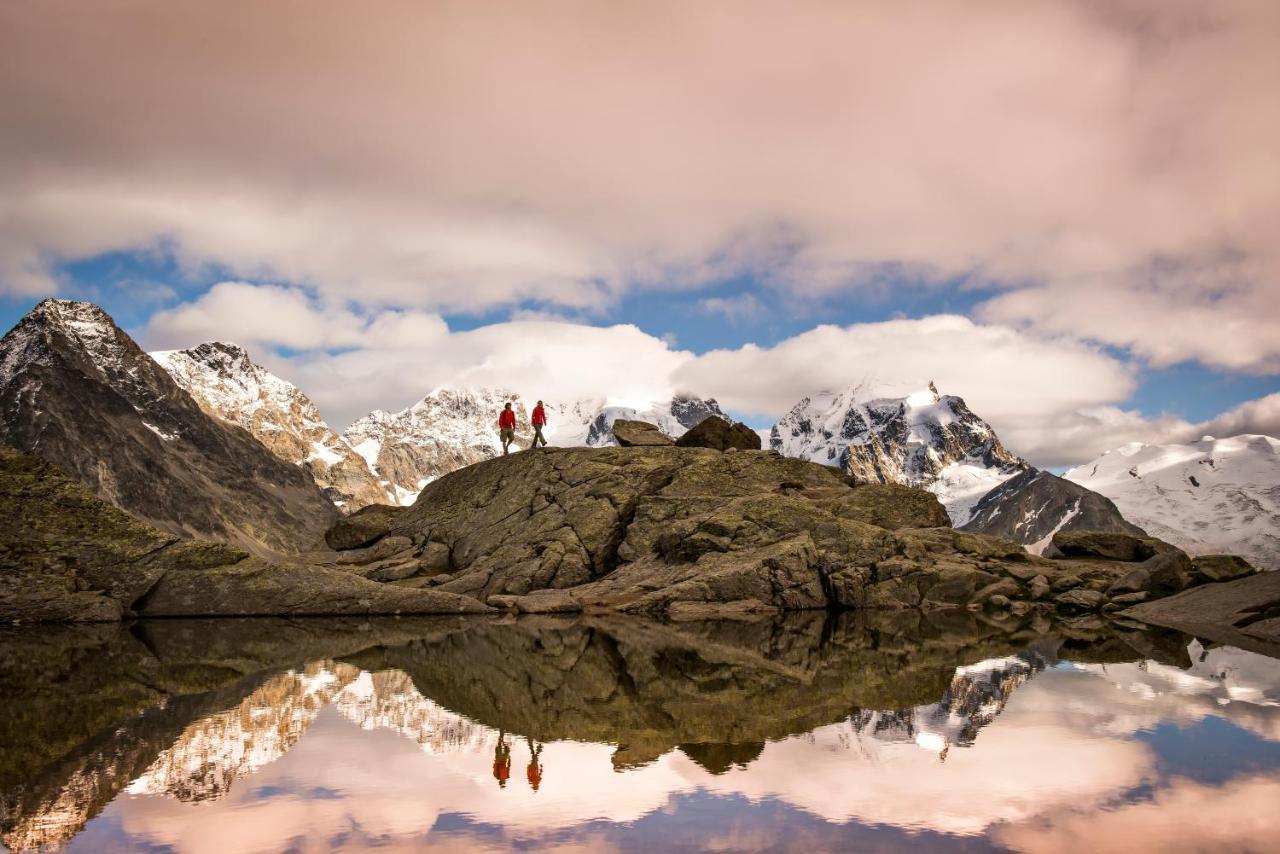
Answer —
(649, 687)
(719, 757)
(185, 708)
(87, 709)
(1244, 612)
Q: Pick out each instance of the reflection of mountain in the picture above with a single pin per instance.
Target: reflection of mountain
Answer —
(184, 709)
(217, 750)
(976, 695)
(389, 699)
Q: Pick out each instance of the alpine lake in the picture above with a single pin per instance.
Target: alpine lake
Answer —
(813, 732)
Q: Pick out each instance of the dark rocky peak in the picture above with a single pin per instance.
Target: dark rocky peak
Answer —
(226, 358)
(80, 338)
(79, 392)
(691, 410)
(1032, 506)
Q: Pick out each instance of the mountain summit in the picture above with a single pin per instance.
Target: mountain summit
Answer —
(77, 391)
(924, 439)
(229, 385)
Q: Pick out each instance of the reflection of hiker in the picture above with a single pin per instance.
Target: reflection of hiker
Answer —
(539, 420)
(501, 761)
(534, 771)
(507, 427)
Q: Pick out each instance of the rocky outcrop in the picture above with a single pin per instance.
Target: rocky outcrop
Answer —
(691, 532)
(77, 391)
(67, 556)
(1244, 612)
(1033, 505)
(362, 528)
(228, 385)
(720, 434)
(639, 434)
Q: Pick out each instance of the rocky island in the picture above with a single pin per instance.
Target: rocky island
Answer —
(653, 529)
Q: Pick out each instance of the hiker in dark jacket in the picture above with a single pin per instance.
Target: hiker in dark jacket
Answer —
(539, 420)
(507, 427)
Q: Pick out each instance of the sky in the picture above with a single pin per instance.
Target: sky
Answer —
(1065, 211)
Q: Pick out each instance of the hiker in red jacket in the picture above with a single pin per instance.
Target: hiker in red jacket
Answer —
(539, 420)
(507, 427)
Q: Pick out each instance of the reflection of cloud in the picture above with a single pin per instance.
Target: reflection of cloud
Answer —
(1121, 699)
(388, 787)
(383, 763)
(1019, 769)
(1186, 816)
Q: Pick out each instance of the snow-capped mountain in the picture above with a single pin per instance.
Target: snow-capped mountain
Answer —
(79, 392)
(1033, 505)
(446, 430)
(229, 385)
(590, 422)
(924, 439)
(1214, 495)
(451, 428)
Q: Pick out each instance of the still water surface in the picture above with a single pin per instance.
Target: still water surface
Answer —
(810, 734)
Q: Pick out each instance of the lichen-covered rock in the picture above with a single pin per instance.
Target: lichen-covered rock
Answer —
(719, 434)
(362, 528)
(1221, 568)
(688, 532)
(66, 556)
(1080, 600)
(257, 588)
(1104, 545)
(885, 505)
(639, 434)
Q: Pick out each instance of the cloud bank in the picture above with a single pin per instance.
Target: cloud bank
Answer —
(1108, 167)
(1051, 399)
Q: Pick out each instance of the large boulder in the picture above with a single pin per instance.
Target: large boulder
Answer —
(256, 588)
(1104, 545)
(1244, 612)
(362, 528)
(1221, 568)
(885, 505)
(638, 434)
(720, 434)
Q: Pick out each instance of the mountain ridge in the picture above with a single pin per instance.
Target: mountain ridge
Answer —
(227, 384)
(79, 392)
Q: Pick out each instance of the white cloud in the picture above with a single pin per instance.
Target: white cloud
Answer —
(1254, 416)
(459, 159)
(1051, 399)
(1001, 373)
